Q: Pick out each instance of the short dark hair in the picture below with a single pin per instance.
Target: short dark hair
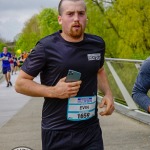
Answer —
(60, 5)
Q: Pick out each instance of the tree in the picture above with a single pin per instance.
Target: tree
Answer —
(29, 36)
(124, 25)
(98, 24)
(47, 21)
(36, 28)
(1, 46)
(130, 18)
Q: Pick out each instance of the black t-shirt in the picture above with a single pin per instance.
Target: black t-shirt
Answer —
(52, 57)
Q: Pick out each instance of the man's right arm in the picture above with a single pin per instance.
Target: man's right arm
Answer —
(27, 86)
(2, 58)
(142, 86)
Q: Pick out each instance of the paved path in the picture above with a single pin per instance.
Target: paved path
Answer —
(10, 101)
(22, 119)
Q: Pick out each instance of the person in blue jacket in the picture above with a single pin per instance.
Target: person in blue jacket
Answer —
(69, 117)
(142, 86)
(6, 68)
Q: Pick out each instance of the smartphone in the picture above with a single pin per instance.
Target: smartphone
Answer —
(73, 76)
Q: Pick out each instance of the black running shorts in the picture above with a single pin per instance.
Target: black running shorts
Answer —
(78, 139)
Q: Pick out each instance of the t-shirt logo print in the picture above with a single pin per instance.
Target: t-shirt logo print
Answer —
(96, 56)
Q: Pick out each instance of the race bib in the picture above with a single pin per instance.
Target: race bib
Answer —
(81, 108)
(6, 58)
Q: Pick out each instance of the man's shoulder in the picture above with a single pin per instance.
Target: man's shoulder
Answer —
(49, 38)
(148, 59)
(94, 37)
(145, 67)
(146, 62)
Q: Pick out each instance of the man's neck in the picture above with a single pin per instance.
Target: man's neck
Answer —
(71, 39)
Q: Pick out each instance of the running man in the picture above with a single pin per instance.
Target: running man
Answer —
(69, 117)
(6, 68)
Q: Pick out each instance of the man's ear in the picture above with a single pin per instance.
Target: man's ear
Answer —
(86, 21)
(59, 20)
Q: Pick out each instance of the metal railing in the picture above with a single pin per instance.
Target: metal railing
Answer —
(113, 70)
(122, 74)
(125, 93)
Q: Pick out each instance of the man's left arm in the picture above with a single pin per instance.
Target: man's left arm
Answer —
(103, 86)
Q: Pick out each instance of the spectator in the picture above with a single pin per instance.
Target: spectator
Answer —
(20, 60)
(11, 60)
(15, 64)
(25, 55)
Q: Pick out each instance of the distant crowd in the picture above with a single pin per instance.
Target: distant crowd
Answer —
(11, 63)
(17, 62)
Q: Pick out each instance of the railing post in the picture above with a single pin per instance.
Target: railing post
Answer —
(122, 88)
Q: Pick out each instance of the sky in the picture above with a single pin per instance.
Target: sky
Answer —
(14, 14)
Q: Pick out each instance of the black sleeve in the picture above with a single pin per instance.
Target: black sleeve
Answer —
(35, 61)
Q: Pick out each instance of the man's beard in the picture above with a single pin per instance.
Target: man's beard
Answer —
(76, 33)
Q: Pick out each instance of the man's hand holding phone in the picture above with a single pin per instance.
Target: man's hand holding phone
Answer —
(73, 76)
(68, 86)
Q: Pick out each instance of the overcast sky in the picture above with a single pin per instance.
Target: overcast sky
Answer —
(14, 13)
